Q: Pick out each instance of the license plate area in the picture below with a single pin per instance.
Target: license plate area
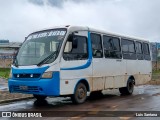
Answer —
(23, 87)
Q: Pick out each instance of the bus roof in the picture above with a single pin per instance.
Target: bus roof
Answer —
(76, 28)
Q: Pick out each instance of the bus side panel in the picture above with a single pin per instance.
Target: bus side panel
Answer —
(131, 69)
(108, 73)
(70, 78)
(144, 70)
(98, 74)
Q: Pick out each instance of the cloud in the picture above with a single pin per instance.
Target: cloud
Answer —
(138, 18)
(37, 2)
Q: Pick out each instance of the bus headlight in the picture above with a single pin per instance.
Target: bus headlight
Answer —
(47, 74)
(10, 74)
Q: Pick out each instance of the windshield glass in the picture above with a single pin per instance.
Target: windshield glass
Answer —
(40, 47)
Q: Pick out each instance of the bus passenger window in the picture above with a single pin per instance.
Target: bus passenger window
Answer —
(96, 45)
(112, 47)
(146, 51)
(139, 50)
(78, 53)
(128, 49)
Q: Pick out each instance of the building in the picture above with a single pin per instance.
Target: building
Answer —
(8, 51)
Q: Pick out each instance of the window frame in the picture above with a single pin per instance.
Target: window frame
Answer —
(144, 43)
(130, 41)
(146, 56)
(139, 55)
(120, 49)
(86, 48)
(128, 55)
(141, 47)
(101, 41)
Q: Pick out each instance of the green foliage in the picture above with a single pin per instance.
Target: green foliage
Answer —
(156, 72)
(4, 72)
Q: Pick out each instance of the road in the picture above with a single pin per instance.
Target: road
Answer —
(144, 98)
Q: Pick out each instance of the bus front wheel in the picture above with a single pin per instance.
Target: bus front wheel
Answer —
(39, 97)
(128, 90)
(80, 94)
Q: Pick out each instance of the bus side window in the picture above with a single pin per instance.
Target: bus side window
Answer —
(146, 51)
(139, 50)
(78, 53)
(128, 49)
(112, 47)
(96, 45)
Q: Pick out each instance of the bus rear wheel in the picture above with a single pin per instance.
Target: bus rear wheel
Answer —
(40, 97)
(80, 94)
(128, 90)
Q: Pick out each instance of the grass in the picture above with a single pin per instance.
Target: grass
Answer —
(156, 72)
(4, 72)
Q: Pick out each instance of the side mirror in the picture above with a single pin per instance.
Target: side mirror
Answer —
(74, 40)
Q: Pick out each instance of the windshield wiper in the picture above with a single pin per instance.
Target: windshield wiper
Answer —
(46, 59)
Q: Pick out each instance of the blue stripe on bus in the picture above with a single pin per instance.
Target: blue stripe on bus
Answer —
(89, 61)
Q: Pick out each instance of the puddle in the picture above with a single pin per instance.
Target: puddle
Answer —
(157, 94)
(3, 87)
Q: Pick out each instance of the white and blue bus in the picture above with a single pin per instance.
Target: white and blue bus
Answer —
(76, 61)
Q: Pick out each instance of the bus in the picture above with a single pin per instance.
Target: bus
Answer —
(78, 61)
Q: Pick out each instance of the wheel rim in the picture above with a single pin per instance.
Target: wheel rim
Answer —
(81, 93)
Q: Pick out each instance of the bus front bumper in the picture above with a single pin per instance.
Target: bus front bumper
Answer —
(47, 87)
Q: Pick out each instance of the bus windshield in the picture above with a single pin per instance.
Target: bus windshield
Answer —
(40, 48)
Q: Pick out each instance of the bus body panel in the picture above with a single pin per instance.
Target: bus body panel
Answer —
(144, 72)
(73, 76)
(49, 87)
(108, 73)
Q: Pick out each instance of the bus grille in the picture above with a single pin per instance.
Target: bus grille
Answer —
(25, 89)
(26, 75)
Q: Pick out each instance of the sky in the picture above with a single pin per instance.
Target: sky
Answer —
(137, 18)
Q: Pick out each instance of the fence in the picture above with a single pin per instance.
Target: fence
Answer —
(5, 63)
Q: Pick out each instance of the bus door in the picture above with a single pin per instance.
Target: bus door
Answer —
(75, 61)
(98, 62)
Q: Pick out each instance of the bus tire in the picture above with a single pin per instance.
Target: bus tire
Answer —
(128, 90)
(39, 97)
(80, 94)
